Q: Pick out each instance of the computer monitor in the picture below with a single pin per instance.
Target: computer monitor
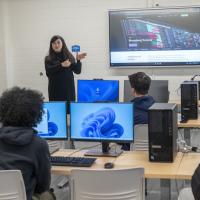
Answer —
(98, 90)
(158, 90)
(102, 122)
(54, 121)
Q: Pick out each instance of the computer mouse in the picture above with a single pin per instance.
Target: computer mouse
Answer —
(108, 165)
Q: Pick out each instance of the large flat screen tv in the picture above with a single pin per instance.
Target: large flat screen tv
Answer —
(154, 37)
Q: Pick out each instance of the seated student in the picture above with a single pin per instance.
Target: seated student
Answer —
(192, 193)
(20, 147)
(140, 84)
(195, 183)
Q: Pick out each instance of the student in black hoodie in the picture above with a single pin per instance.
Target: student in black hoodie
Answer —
(193, 192)
(195, 183)
(140, 84)
(20, 147)
(60, 66)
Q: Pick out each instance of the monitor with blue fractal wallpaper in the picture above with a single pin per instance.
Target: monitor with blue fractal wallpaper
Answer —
(98, 90)
(103, 122)
(54, 121)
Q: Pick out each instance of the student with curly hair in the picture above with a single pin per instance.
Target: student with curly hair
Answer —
(20, 147)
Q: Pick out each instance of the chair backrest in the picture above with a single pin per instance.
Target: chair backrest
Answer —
(140, 138)
(112, 184)
(12, 185)
(186, 194)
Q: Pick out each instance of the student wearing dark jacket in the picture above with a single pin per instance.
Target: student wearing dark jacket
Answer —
(60, 66)
(141, 106)
(195, 183)
(193, 192)
(20, 147)
(140, 84)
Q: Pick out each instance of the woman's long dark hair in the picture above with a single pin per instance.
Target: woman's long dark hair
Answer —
(65, 51)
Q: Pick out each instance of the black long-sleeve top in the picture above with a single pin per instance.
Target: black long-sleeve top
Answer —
(61, 79)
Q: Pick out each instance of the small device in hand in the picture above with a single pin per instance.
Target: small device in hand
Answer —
(76, 48)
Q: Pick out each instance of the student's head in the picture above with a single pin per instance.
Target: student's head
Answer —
(140, 83)
(58, 45)
(21, 107)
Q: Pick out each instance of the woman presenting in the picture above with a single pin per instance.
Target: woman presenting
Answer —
(60, 66)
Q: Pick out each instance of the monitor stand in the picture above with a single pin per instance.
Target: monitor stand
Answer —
(106, 152)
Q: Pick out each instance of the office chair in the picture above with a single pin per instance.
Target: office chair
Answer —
(141, 141)
(140, 138)
(186, 194)
(112, 184)
(12, 185)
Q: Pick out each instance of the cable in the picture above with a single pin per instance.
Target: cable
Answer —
(178, 91)
(192, 79)
(181, 134)
(183, 147)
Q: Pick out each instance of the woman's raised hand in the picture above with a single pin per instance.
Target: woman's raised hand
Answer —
(80, 56)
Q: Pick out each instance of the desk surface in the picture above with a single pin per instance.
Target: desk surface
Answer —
(127, 160)
(192, 123)
(189, 163)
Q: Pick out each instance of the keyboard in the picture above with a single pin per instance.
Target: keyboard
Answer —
(72, 161)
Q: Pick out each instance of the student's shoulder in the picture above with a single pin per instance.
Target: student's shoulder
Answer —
(39, 141)
(151, 98)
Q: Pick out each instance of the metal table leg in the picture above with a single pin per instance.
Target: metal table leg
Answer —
(187, 135)
(165, 185)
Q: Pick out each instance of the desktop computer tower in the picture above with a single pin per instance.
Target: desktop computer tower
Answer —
(189, 100)
(199, 89)
(163, 128)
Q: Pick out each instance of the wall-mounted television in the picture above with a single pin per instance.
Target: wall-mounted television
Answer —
(154, 37)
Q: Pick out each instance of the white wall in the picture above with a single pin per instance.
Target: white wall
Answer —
(3, 79)
(28, 26)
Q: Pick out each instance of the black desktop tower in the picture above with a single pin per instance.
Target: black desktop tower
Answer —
(163, 128)
(189, 100)
(199, 89)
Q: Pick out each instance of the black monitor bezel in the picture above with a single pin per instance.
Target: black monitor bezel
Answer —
(55, 138)
(149, 91)
(96, 80)
(103, 140)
